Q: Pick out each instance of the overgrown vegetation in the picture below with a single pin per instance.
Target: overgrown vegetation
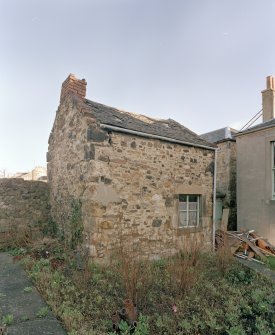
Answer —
(189, 294)
(192, 293)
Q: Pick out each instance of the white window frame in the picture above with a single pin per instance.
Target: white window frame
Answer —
(187, 210)
(273, 169)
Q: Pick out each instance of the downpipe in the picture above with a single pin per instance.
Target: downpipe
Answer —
(214, 200)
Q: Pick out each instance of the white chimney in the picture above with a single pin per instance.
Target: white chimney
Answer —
(268, 98)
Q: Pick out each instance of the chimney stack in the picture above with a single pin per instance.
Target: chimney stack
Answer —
(74, 86)
(268, 99)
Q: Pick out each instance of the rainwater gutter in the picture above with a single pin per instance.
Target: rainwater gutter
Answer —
(158, 137)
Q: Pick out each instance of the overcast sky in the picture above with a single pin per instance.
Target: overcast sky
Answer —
(200, 62)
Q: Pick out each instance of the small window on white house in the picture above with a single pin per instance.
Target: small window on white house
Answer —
(189, 210)
(273, 168)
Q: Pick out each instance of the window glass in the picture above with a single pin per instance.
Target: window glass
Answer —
(193, 198)
(192, 219)
(189, 210)
(183, 219)
(193, 206)
(183, 206)
(182, 198)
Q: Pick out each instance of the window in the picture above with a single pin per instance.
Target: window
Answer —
(189, 210)
(273, 168)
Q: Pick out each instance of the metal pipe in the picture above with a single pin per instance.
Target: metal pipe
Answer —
(163, 138)
(214, 199)
(122, 313)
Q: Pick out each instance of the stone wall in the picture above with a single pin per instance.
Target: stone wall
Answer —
(127, 186)
(226, 179)
(23, 205)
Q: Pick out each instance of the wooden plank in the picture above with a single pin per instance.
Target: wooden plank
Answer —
(263, 243)
(247, 258)
(236, 236)
(225, 216)
(267, 252)
(253, 247)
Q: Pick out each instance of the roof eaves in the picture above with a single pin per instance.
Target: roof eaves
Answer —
(226, 140)
(254, 130)
(148, 135)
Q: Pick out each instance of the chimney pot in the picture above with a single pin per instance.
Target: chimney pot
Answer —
(269, 82)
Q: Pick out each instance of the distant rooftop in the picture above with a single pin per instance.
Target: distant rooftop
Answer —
(258, 127)
(218, 135)
(38, 173)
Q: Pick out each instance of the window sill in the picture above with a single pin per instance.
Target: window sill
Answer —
(188, 230)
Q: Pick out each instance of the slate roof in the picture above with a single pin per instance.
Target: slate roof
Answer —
(218, 135)
(131, 121)
(261, 126)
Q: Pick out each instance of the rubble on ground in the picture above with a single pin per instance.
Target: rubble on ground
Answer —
(245, 244)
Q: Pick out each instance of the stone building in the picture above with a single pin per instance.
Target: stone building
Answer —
(256, 170)
(38, 173)
(119, 178)
(225, 141)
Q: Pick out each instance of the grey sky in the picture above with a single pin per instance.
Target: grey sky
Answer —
(200, 62)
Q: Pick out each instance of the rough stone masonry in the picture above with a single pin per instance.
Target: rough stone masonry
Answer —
(127, 172)
(24, 206)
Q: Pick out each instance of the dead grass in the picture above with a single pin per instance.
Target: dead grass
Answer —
(133, 271)
(177, 293)
(184, 268)
(224, 254)
(16, 238)
(189, 293)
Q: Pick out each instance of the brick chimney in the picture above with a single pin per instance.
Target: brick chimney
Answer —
(268, 99)
(74, 86)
